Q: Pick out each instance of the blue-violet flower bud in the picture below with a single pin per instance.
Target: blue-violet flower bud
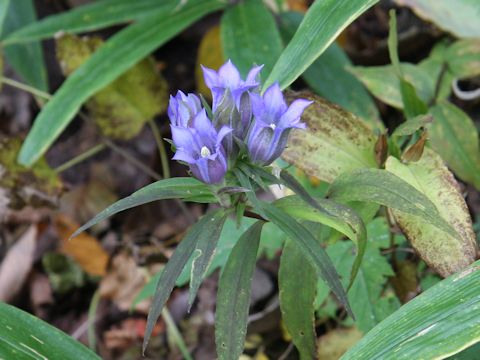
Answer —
(231, 103)
(272, 123)
(183, 108)
(200, 146)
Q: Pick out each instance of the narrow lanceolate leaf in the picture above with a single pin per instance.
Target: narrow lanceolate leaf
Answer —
(435, 325)
(334, 142)
(311, 249)
(175, 265)
(412, 104)
(458, 17)
(337, 216)
(446, 254)
(23, 336)
(323, 22)
(4, 5)
(242, 41)
(93, 16)
(127, 47)
(203, 254)
(233, 298)
(384, 188)
(454, 136)
(410, 126)
(297, 286)
(25, 59)
(174, 188)
(328, 76)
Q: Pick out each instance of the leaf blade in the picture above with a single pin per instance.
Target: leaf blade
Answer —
(164, 189)
(233, 298)
(320, 26)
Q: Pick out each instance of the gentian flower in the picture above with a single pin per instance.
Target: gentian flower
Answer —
(231, 103)
(272, 123)
(200, 146)
(183, 108)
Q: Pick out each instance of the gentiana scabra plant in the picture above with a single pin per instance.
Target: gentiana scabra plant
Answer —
(230, 149)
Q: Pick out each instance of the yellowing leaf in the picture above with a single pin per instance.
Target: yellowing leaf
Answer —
(210, 54)
(444, 253)
(464, 58)
(335, 343)
(334, 142)
(123, 107)
(19, 185)
(84, 249)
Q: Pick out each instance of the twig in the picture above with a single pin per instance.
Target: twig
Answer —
(161, 149)
(287, 352)
(79, 158)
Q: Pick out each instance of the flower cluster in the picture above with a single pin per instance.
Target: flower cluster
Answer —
(242, 122)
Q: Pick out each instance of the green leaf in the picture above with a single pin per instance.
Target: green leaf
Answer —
(384, 188)
(436, 324)
(201, 230)
(410, 126)
(24, 336)
(384, 84)
(328, 77)
(454, 136)
(175, 188)
(459, 17)
(4, 5)
(297, 298)
(127, 47)
(368, 305)
(463, 58)
(233, 298)
(337, 216)
(25, 59)
(311, 249)
(446, 254)
(334, 142)
(93, 16)
(203, 254)
(319, 28)
(242, 41)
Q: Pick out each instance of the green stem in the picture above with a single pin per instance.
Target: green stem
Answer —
(161, 149)
(24, 87)
(175, 334)
(79, 158)
(92, 310)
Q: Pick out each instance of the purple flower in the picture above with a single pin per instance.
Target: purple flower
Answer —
(200, 146)
(231, 102)
(183, 108)
(272, 123)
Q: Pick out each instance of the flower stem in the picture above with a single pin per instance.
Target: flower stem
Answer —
(161, 149)
(79, 158)
(24, 87)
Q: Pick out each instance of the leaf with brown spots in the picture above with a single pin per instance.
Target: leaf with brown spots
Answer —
(335, 141)
(441, 251)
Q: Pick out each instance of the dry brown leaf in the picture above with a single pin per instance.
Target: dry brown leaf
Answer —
(335, 343)
(84, 249)
(17, 264)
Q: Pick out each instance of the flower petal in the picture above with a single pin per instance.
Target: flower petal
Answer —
(274, 102)
(291, 118)
(229, 75)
